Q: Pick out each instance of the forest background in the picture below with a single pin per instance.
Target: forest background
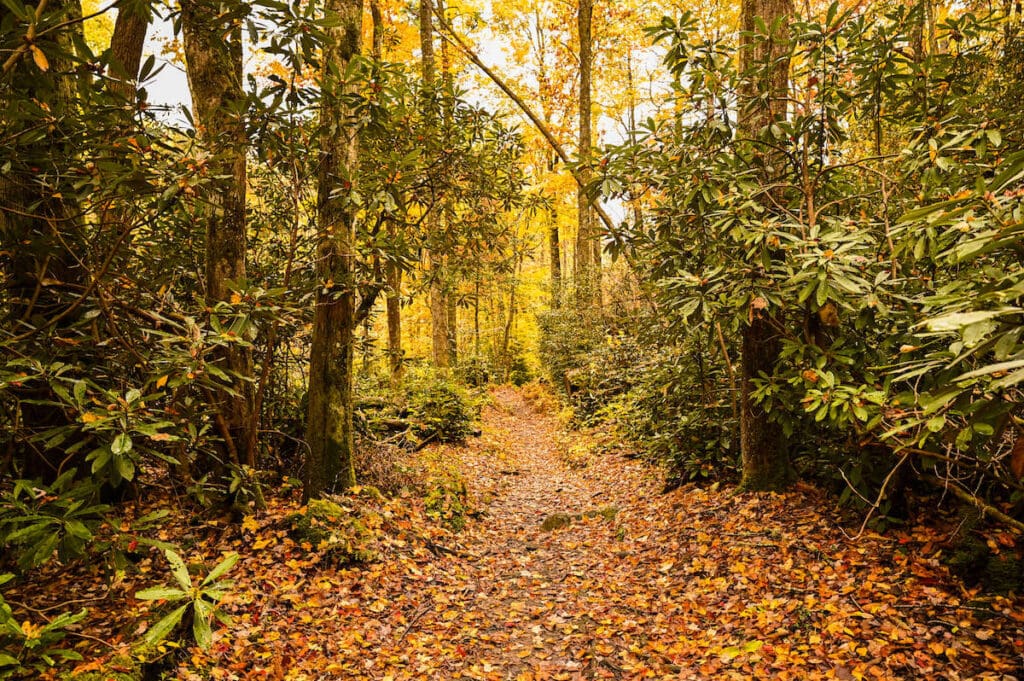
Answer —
(761, 242)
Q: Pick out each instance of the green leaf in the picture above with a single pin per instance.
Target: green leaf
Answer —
(958, 320)
(222, 567)
(991, 369)
(157, 593)
(122, 444)
(201, 624)
(8, 661)
(125, 467)
(179, 570)
(159, 631)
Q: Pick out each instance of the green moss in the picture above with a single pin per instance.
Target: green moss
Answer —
(556, 521)
(343, 535)
(447, 503)
(606, 512)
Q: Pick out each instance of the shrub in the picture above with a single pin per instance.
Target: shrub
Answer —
(39, 521)
(440, 409)
(341, 529)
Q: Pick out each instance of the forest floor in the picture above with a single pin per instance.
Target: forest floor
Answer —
(697, 583)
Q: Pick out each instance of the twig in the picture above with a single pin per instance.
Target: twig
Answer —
(42, 611)
(415, 618)
(89, 637)
(878, 499)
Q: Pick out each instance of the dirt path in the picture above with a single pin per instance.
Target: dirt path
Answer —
(521, 602)
(700, 583)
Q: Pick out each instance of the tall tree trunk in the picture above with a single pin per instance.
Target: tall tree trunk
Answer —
(329, 429)
(126, 49)
(213, 58)
(439, 333)
(392, 271)
(394, 317)
(438, 304)
(378, 30)
(452, 313)
(555, 253)
(586, 266)
(765, 65)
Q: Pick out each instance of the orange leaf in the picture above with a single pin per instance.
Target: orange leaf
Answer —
(39, 58)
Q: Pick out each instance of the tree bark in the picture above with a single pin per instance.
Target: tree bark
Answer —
(765, 68)
(213, 58)
(377, 49)
(555, 254)
(329, 429)
(588, 263)
(392, 272)
(126, 50)
(439, 332)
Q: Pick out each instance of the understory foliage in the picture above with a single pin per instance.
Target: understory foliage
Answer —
(886, 252)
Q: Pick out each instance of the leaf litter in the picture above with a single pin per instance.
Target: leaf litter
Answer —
(698, 583)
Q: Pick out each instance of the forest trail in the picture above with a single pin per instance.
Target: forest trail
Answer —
(698, 583)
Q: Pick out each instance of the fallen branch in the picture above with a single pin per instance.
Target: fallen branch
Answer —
(969, 498)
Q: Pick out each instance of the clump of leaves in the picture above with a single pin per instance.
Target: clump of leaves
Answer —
(442, 411)
(447, 502)
(27, 647)
(199, 600)
(343, 530)
(37, 520)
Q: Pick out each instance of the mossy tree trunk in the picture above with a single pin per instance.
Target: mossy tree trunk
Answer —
(587, 266)
(212, 39)
(329, 429)
(764, 62)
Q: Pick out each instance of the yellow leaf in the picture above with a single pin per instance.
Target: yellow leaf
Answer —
(39, 58)
(161, 382)
(90, 417)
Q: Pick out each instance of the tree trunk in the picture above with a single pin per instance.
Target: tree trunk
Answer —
(452, 313)
(329, 429)
(213, 57)
(126, 50)
(392, 272)
(439, 333)
(586, 266)
(394, 317)
(765, 67)
(378, 30)
(555, 249)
